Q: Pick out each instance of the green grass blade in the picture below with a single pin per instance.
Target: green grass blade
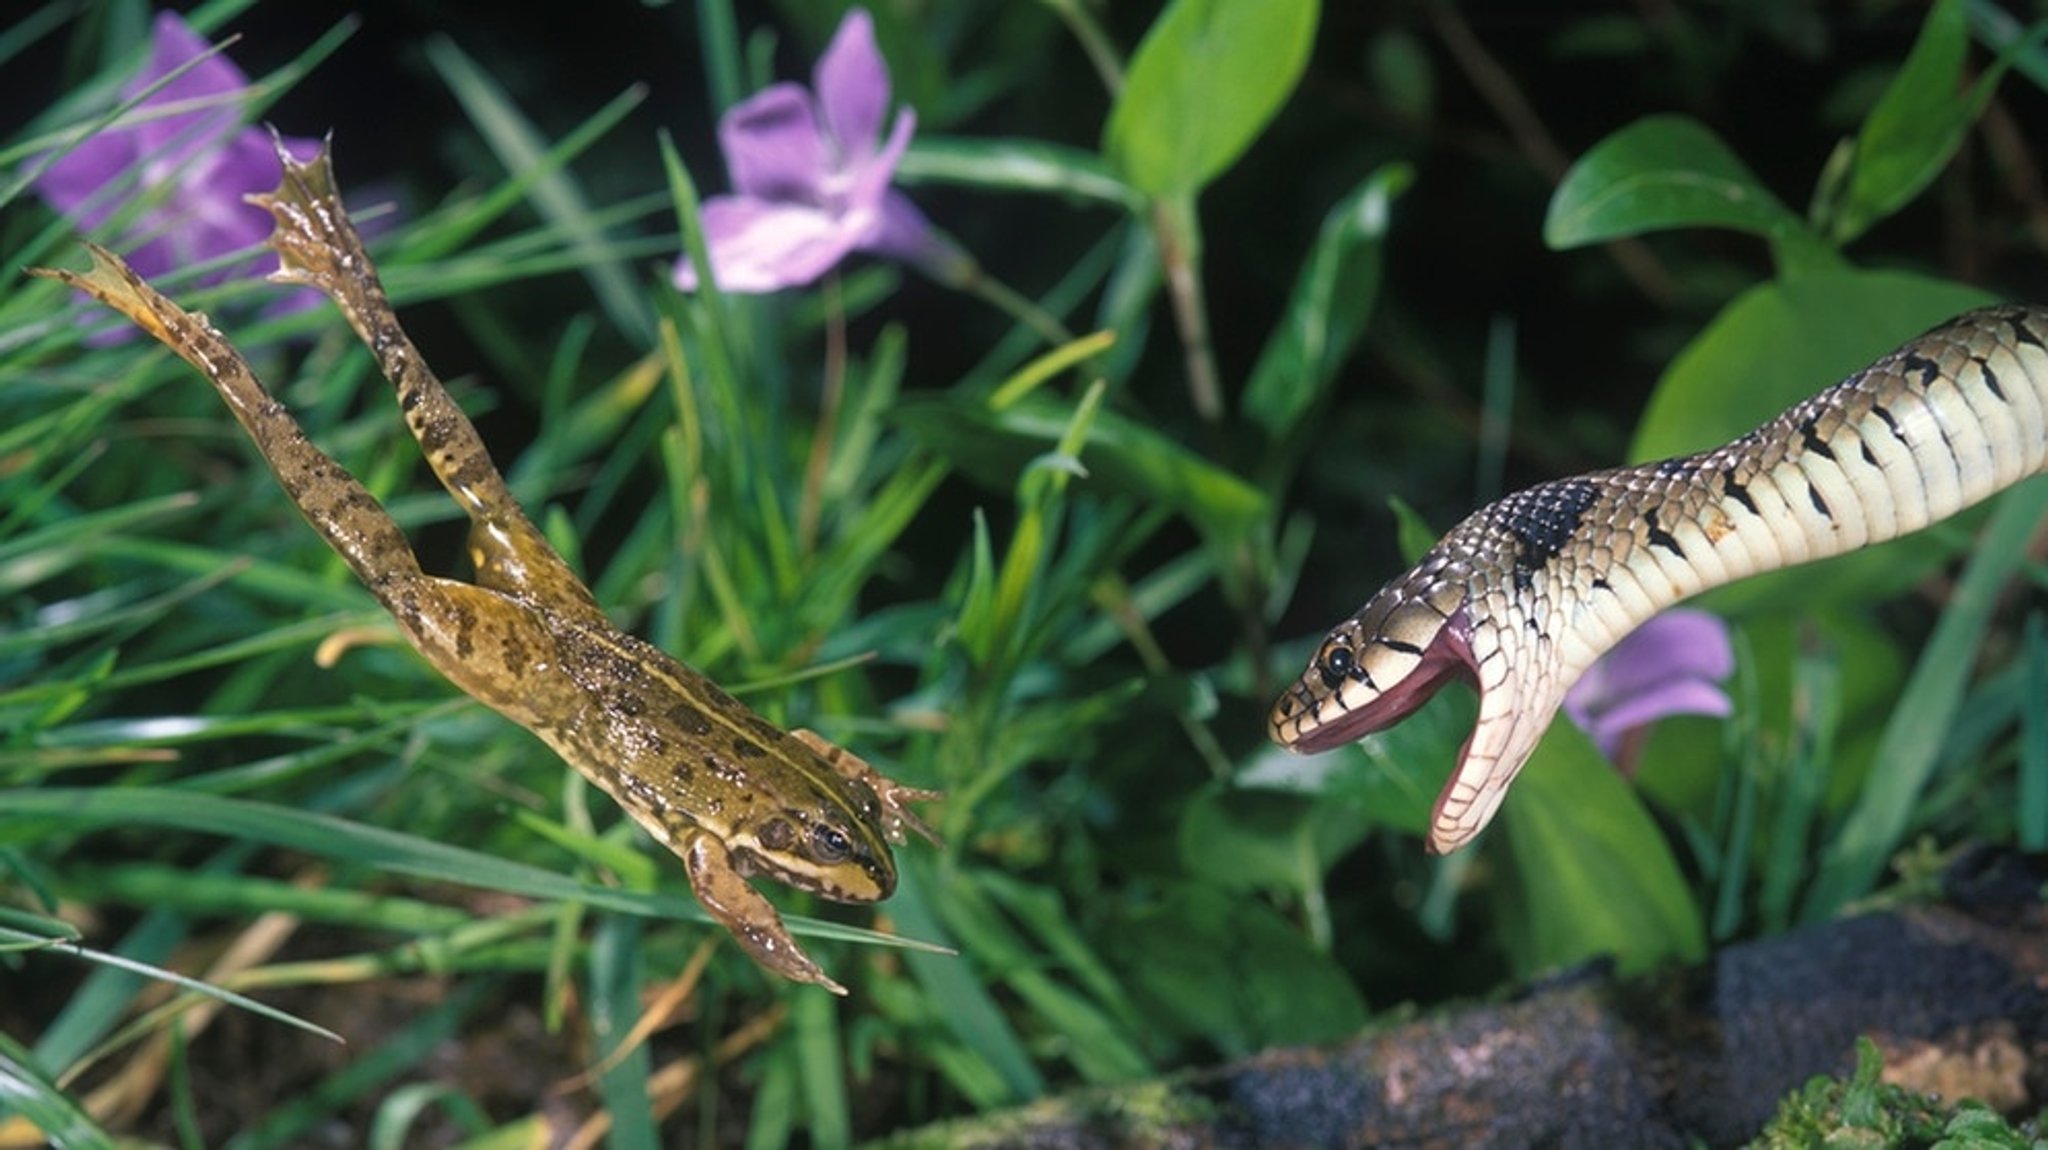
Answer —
(10, 936)
(27, 1091)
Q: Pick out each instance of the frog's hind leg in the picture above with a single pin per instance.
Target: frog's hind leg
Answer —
(345, 514)
(319, 247)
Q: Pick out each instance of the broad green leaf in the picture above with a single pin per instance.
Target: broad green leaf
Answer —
(1333, 297)
(1245, 838)
(1661, 172)
(1282, 991)
(1776, 345)
(1202, 86)
(1592, 874)
(1916, 126)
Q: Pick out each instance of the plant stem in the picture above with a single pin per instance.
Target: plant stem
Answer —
(1180, 254)
(1094, 42)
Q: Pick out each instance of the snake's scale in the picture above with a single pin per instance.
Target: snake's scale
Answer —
(1526, 593)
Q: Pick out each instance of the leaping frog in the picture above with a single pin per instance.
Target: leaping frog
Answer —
(729, 792)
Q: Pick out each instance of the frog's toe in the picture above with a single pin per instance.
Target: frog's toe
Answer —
(778, 952)
(893, 796)
(896, 815)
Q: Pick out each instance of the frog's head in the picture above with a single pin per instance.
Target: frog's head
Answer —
(829, 842)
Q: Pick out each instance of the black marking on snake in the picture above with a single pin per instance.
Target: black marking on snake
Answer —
(1659, 537)
(1406, 648)
(1869, 456)
(1600, 583)
(1738, 491)
(2026, 335)
(1819, 504)
(1678, 465)
(1542, 521)
(1891, 423)
(1811, 440)
(1990, 377)
(1929, 371)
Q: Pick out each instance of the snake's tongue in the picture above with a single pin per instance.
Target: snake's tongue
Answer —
(1448, 656)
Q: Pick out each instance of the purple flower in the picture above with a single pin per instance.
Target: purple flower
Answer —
(1671, 665)
(810, 175)
(190, 168)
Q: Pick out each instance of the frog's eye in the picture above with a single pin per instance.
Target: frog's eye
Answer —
(829, 845)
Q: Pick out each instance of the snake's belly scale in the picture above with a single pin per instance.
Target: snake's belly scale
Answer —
(1525, 594)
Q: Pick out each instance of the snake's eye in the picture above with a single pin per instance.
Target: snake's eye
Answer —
(1336, 666)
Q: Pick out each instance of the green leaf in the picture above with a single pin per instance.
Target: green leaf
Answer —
(1123, 456)
(1202, 86)
(1775, 345)
(1016, 166)
(1916, 126)
(1592, 874)
(1246, 838)
(1281, 990)
(1661, 172)
(1333, 297)
(1411, 531)
(35, 1096)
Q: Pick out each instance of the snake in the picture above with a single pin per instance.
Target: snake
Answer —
(1525, 594)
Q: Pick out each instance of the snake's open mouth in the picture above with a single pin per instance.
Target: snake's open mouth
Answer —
(1448, 656)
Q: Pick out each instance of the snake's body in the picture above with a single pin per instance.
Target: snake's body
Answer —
(1524, 595)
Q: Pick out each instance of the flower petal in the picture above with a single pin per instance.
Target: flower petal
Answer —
(759, 246)
(853, 87)
(870, 181)
(1670, 665)
(1684, 642)
(1684, 697)
(773, 148)
(899, 231)
(173, 44)
(168, 141)
(82, 183)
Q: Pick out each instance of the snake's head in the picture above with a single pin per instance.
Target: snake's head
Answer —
(1375, 668)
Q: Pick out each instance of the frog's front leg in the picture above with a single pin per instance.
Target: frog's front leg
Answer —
(891, 794)
(739, 908)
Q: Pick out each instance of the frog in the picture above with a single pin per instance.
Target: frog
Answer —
(731, 794)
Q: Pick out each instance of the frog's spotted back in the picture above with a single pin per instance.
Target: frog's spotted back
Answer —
(727, 791)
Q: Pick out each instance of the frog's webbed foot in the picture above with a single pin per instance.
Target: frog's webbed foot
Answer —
(894, 796)
(112, 282)
(316, 243)
(740, 909)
